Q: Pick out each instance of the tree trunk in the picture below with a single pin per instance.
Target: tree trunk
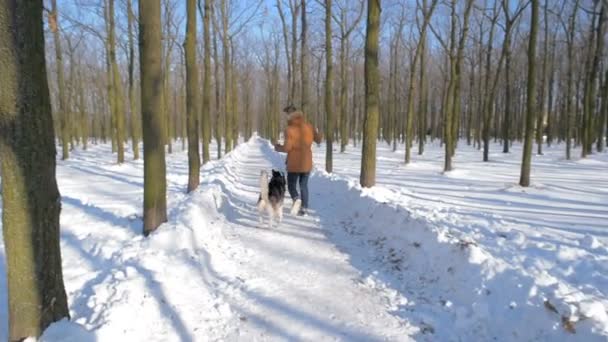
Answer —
(206, 122)
(304, 61)
(118, 103)
(218, 104)
(409, 132)
(343, 88)
(63, 113)
(234, 119)
(488, 98)
(590, 86)
(543, 81)
(570, 79)
(458, 65)
(329, 81)
(294, 8)
(448, 98)
(132, 96)
(372, 78)
(524, 179)
(192, 105)
(31, 199)
(155, 182)
(227, 74)
(603, 115)
(287, 52)
(506, 125)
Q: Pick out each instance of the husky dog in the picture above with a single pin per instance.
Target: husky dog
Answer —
(272, 196)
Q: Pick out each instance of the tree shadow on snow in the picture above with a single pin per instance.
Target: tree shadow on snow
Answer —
(447, 296)
(108, 270)
(128, 223)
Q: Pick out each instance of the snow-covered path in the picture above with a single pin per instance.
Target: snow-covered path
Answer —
(295, 282)
(212, 272)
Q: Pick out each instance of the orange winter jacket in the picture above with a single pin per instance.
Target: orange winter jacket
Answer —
(299, 136)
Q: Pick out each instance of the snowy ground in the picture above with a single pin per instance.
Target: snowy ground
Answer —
(426, 256)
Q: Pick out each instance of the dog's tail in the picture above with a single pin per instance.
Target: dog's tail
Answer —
(264, 186)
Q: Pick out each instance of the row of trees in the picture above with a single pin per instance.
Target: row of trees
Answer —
(30, 197)
(448, 70)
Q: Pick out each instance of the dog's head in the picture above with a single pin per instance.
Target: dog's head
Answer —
(278, 176)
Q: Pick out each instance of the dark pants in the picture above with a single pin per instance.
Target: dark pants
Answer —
(293, 178)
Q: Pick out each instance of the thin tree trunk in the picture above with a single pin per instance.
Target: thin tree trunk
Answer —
(63, 113)
(132, 96)
(459, 56)
(294, 8)
(409, 133)
(603, 115)
(227, 74)
(590, 86)
(118, 103)
(343, 89)
(304, 61)
(570, 73)
(506, 134)
(84, 117)
(372, 78)
(31, 199)
(287, 53)
(524, 179)
(329, 119)
(216, 72)
(155, 182)
(192, 104)
(423, 98)
(206, 112)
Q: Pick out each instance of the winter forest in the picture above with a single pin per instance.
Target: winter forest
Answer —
(458, 188)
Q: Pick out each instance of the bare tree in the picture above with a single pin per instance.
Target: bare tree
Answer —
(150, 57)
(63, 113)
(531, 96)
(192, 103)
(31, 199)
(368, 157)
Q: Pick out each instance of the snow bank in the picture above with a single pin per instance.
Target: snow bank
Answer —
(473, 276)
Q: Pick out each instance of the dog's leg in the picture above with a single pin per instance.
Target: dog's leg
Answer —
(280, 213)
(261, 204)
(296, 207)
(270, 215)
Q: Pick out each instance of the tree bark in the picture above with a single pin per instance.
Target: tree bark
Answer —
(132, 96)
(192, 103)
(329, 81)
(63, 114)
(228, 139)
(118, 103)
(570, 79)
(304, 61)
(155, 182)
(31, 199)
(590, 86)
(218, 103)
(524, 179)
(206, 113)
(427, 13)
(372, 78)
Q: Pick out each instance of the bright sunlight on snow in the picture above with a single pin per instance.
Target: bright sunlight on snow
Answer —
(462, 256)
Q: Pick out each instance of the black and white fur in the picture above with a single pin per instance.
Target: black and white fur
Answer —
(272, 196)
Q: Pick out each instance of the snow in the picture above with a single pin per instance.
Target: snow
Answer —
(424, 255)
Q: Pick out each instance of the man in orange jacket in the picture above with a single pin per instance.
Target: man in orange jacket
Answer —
(299, 136)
